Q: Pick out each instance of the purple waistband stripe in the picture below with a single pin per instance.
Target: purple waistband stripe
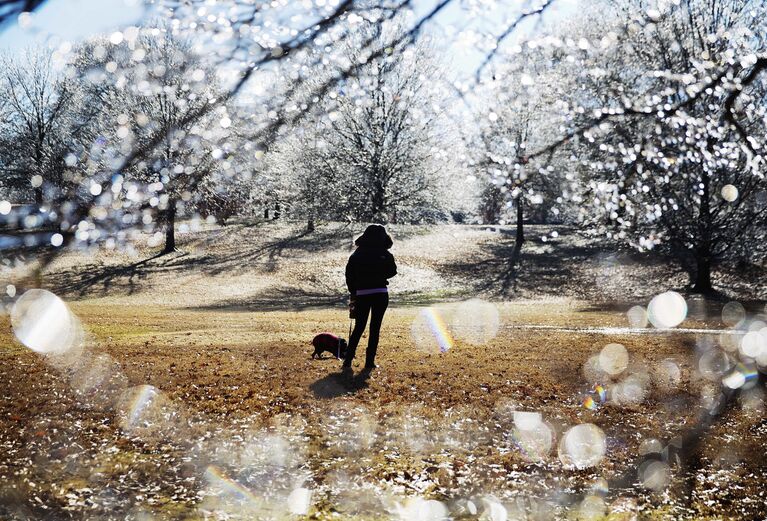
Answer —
(371, 291)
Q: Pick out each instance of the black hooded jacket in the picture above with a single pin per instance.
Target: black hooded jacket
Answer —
(369, 268)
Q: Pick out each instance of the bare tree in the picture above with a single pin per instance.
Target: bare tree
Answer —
(521, 109)
(148, 88)
(683, 180)
(371, 152)
(43, 119)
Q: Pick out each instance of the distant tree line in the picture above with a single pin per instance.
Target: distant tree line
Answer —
(645, 125)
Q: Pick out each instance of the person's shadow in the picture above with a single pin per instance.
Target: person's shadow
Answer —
(339, 384)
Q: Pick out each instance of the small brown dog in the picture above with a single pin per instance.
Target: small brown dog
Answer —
(331, 343)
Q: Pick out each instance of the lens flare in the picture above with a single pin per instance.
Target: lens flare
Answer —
(600, 487)
(631, 390)
(430, 332)
(592, 508)
(226, 488)
(42, 322)
(740, 376)
(596, 397)
(713, 364)
(752, 400)
(667, 375)
(613, 359)
(601, 392)
(349, 429)
(462, 430)
(532, 436)
(650, 446)
(418, 509)
(146, 413)
(592, 370)
(582, 446)
(527, 420)
(655, 475)
(667, 310)
(637, 317)
(733, 313)
(141, 401)
(300, 501)
(476, 321)
(753, 344)
(493, 509)
(98, 381)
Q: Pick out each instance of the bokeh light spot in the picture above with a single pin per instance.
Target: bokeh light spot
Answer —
(582, 446)
(637, 316)
(476, 321)
(667, 310)
(613, 359)
(729, 193)
(733, 313)
(42, 322)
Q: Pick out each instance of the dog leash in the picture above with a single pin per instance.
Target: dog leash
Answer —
(338, 351)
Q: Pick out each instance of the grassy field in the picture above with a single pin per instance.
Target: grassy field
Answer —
(180, 407)
(238, 401)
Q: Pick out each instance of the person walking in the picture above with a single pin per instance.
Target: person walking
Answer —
(367, 274)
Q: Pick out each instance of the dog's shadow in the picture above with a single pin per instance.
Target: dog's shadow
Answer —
(340, 384)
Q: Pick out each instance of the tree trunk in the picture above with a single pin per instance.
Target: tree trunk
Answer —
(377, 201)
(170, 227)
(39, 168)
(520, 238)
(703, 251)
(703, 275)
(520, 226)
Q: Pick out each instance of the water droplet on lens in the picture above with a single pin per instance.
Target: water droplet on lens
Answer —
(733, 313)
(613, 359)
(582, 446)
(637, 317)
(667, 310)
(42, 322)
(476, 321)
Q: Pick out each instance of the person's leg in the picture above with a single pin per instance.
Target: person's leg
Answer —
(378, 308)
(361, 311)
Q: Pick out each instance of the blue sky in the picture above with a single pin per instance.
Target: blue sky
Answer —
(466, 55)
(72, 20)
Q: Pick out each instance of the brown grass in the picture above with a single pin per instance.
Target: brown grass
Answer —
(432, 425)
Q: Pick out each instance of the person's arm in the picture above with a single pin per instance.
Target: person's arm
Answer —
(350, 282)
(391, 266)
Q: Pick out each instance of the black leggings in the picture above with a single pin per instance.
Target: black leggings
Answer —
(375, 305)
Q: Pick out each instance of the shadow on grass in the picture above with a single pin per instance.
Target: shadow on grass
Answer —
(568, 265)
(282, 299)
(223, 252)
(81, 280)
(499, 268)
(340, 384)
(236, 249)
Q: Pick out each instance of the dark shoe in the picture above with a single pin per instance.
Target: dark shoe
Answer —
(370, 367)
